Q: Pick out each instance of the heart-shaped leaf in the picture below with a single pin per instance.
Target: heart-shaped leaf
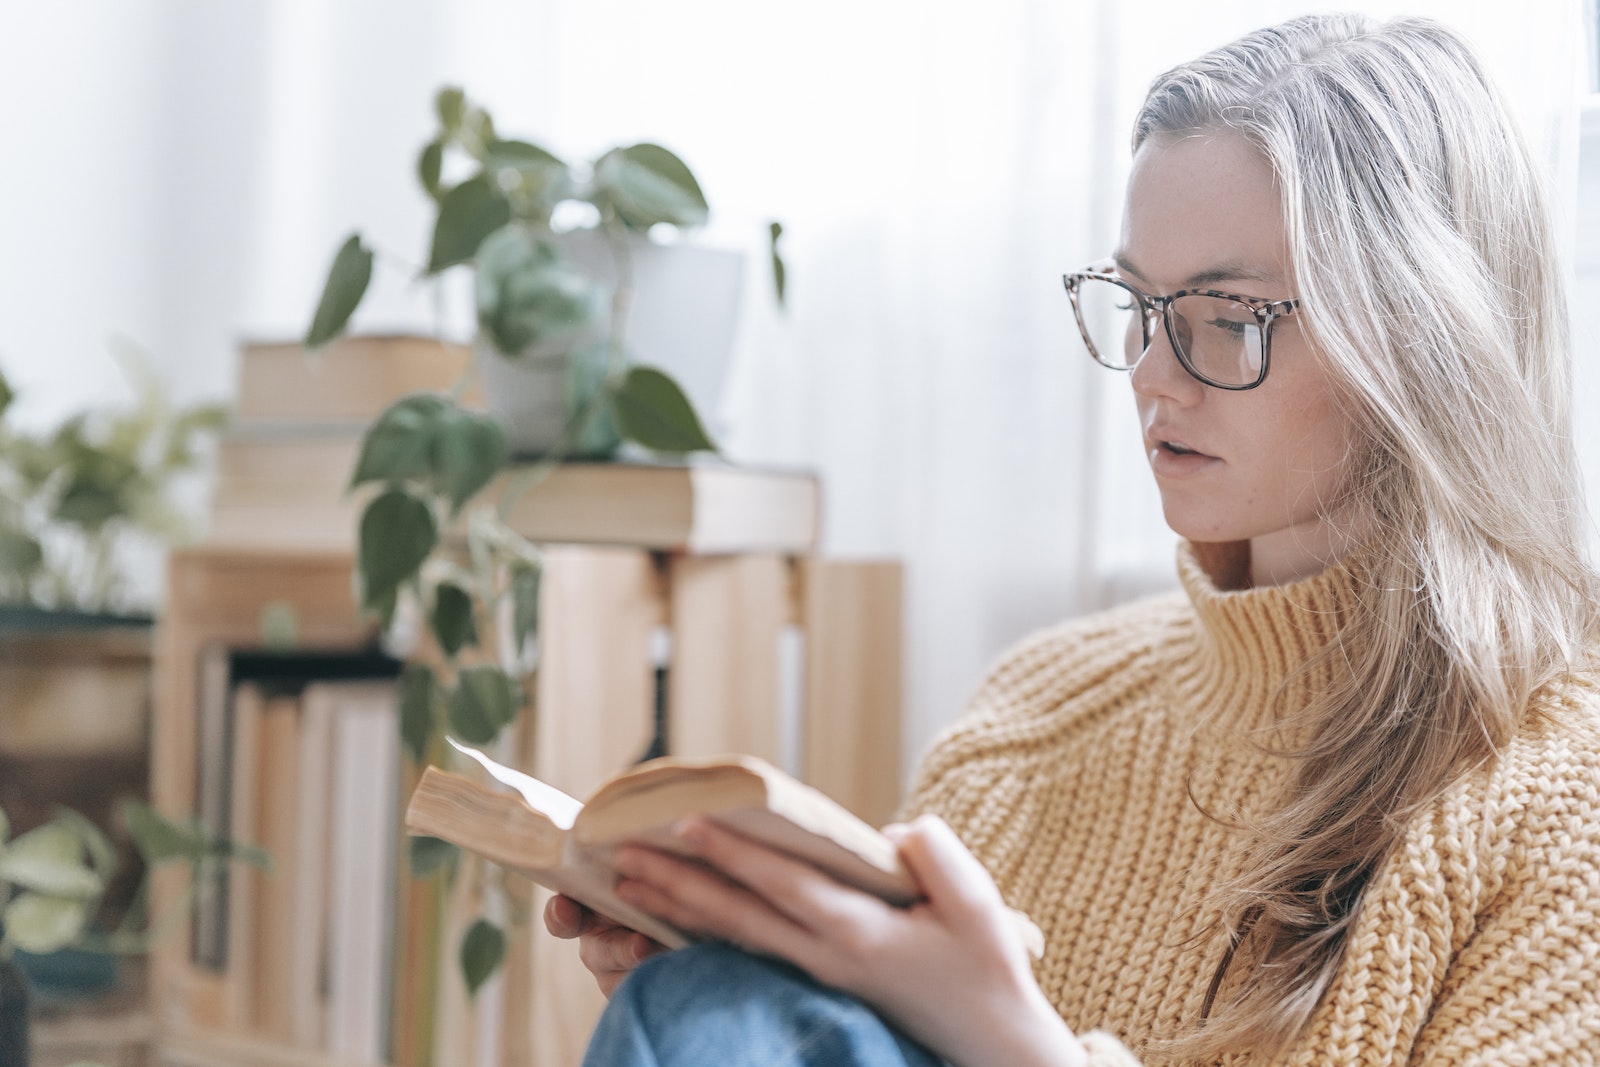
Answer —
(482, 950)
(430, 166)
(342, 293)
(86, 503)
(20, 554)
(469, 450)
(467, 214)
(50, 860)
(102, 854)
(400, 443)
(419, 696)
(396, 534)
(40, 924)
(527, 294)
(429, 854)
(483, 702)
(647, 184)
(451, 106)
(653, 411)
(159, 838)
(451, 619)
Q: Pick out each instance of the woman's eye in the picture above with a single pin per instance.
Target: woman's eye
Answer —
(1230, 326)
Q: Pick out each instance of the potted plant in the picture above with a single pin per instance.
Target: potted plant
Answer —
(74, 655)
(72, 500)
(53, 883)
(556, 251)
(546, 298)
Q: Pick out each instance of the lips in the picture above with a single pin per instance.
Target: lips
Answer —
(1174, 445)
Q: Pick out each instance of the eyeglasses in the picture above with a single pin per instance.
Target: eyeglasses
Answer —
(1222, 339)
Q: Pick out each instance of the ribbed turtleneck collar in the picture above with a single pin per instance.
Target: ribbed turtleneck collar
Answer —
(1251, 640)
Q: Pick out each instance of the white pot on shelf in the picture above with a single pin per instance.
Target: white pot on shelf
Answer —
(682, 320)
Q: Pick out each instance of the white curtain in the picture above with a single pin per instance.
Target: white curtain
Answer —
(182, 171)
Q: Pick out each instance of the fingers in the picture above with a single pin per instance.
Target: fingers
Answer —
(950, 875)
(608, 950)
(566, 918)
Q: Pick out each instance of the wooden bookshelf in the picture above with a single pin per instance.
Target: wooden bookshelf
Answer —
(694, 588)
(605, 613)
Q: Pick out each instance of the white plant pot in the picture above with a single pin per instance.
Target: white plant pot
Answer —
(683, 319)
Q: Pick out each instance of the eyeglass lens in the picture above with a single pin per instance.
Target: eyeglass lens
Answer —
(1221, 340)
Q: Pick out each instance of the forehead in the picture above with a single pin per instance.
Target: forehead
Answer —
(1205, 207)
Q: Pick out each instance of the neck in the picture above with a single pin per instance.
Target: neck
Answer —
(1300, 551)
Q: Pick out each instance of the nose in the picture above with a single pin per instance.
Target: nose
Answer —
(1159, 373)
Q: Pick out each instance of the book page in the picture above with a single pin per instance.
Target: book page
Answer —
(560, 808)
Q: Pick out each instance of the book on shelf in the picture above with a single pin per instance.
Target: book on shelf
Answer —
(566, 844)
(350, 380)
(295, 495)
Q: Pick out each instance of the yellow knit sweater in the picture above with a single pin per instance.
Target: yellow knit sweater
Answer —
(1478, 942)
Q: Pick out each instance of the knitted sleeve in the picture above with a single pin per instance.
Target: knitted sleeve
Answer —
(1525, 985)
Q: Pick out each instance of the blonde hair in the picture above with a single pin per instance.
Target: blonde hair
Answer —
(1423, 255)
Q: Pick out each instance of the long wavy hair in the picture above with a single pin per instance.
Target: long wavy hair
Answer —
(1423, 253)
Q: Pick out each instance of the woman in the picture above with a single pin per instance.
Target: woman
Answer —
(1339, 802)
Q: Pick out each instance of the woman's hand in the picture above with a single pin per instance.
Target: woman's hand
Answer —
(951, 972)
(609, 951)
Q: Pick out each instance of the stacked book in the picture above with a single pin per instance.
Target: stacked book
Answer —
(283, 473)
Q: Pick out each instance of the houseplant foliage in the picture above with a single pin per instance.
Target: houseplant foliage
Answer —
(71, 497)
(428, 543)
(54, 876)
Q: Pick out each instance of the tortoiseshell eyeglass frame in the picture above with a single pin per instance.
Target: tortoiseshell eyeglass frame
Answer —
(1266, 312)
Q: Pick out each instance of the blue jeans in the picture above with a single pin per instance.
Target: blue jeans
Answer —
(713, 1005)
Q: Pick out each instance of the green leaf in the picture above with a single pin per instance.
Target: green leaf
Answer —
(102, 854)
(430, 165)
(451, 107)
(40, 924)
(160, 839)
(648, 184)
(20, 554)
(346, 285)
(467, 214)
(50, 860)
(451, 621)
(397, 533)
(527, 294)
(7, 394)
(250, 855)
(588, 375)
(469, 451)
(5, 827)
(652, 410)
(482, 951)
(400, 443)
(483, 702)
(779, 272)
(430, 854)
(87, 504)
(521, 155)
(419, 695)
(524, 604)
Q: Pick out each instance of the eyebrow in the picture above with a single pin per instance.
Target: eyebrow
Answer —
(1222, 272)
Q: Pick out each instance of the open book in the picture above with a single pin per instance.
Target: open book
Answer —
(566, 844)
